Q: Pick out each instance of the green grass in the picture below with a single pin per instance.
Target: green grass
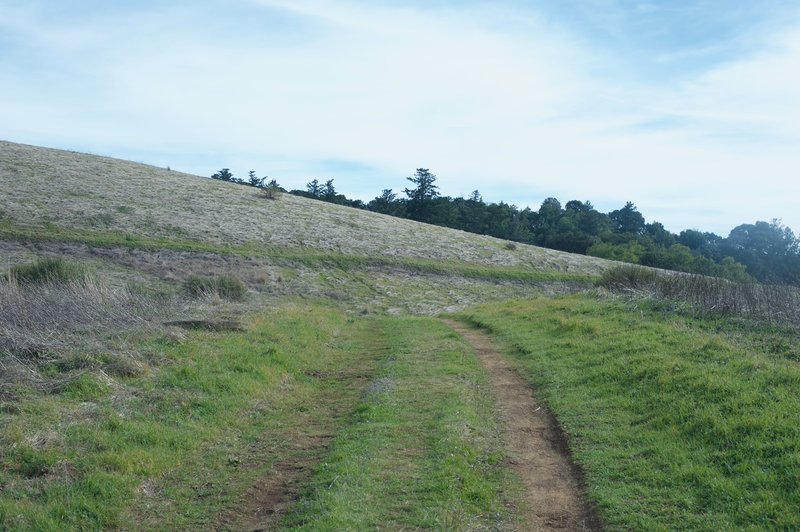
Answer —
(216, 412)
(292, 254)
(222, 286)
(423, 451)
(176, 446)
(48, 270)
(679, 423)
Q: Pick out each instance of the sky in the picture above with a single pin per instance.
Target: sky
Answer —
(689, 109)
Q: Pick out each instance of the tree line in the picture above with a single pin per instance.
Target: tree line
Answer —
(252, 179)
(765, 251)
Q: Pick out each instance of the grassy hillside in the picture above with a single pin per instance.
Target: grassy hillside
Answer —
(161, 225)
(98, 193)
(112, 416)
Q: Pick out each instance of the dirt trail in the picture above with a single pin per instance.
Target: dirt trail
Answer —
(267, 501)
(537, 448)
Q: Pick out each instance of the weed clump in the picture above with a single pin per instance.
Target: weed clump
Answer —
(221, 286)
(53, 330)
(628, 277)
(49, 270)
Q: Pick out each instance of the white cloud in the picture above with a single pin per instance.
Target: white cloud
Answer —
(488, 98)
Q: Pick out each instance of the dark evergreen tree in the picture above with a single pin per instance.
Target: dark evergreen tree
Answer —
(383, 203)
(223, 175)
(545, 221)
(253, 180)
(328, 192)
(420, 198)
(471, 214)
(314, 189)
(627, 220)
(387, 203)
(273, 184)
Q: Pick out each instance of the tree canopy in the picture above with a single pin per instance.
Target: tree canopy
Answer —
(421, 198)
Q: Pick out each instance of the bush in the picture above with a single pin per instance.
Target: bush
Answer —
(623, 278)
(710, 296)
(222, 286)
(271, 191)
(52, 270)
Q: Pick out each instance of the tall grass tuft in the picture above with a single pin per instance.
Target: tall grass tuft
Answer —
(628, 278)
(42, 322)
(709, 296)
(221, 286)
(49, 270)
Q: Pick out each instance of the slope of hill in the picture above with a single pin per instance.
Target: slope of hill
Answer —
(91, 192)
(169, 225)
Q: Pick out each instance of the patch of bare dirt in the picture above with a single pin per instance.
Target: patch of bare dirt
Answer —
(207, 325)
(266, 501)
(537, 448)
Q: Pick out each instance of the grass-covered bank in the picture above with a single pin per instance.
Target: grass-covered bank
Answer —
(423, 451)
(392, 415)
(174, 446)
(531, 272)
(679, 423)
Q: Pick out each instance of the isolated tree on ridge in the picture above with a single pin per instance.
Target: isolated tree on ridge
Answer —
(314, 189)
(421, 197)
(253, 180)
(223, 175)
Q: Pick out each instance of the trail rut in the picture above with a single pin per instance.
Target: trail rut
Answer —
(537, 448)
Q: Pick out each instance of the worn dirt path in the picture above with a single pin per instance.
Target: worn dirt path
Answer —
(266, 502)
(537, 448)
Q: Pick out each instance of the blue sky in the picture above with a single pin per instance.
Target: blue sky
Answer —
(690, 109)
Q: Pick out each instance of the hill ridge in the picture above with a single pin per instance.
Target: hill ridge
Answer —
(85, 191)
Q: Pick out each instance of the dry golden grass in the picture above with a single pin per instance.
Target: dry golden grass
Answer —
(76, 190)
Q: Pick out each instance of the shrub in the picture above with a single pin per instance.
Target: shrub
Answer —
(712, 296)
(50, 270)
(627, 277)
(271, 191)
(222, 286)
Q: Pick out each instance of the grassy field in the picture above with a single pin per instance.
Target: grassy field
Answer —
(80, 457)
(333, 377)
(110, 422)
(403, 400)
(422, 450)
(678, 422)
